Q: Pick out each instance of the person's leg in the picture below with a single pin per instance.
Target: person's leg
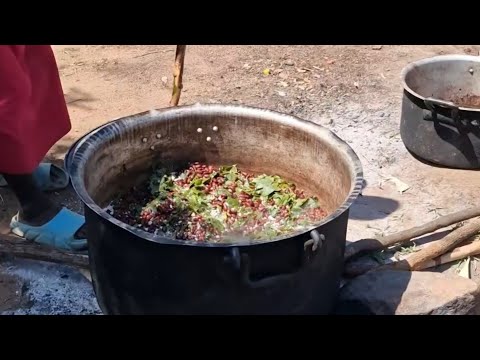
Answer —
(40, 220)
(47, 177)
(36, 208)
(33, 117)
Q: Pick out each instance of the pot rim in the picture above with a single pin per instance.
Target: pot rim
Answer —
(79, 151)
(436, 59)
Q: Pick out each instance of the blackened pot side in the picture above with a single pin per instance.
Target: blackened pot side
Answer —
(135, 272)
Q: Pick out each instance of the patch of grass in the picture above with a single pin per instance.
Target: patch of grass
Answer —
(408, 250)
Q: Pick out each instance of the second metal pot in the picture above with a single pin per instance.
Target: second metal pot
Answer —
(440, 119)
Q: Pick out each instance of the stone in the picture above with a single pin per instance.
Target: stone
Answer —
(391, 292)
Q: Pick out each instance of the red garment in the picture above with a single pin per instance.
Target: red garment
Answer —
(33, 112)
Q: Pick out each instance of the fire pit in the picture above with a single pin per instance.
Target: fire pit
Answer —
(135, 272)
(440, 119)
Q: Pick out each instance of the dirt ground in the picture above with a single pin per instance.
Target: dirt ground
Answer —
(353, 90)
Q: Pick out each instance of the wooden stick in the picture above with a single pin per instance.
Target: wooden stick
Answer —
(16, 246)
(379, 243)
(418, 259)
(457, 254)
(358, 267)
(178, 74)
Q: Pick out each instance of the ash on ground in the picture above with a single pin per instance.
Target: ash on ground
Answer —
(52, 289)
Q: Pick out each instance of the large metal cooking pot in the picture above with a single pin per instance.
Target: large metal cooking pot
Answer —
(440, 119)
(135, 272)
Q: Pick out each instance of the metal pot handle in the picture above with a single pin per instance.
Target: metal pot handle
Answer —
(241, 263)
(455, 113)
(431, 103)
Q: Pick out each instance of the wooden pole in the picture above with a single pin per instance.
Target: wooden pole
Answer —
(178, 74)
(383, 242)
(457, 254)
(358, 267)
(16, 246)
(417, 260)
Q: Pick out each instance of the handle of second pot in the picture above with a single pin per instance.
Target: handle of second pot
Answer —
(432, 103)
(241, 263)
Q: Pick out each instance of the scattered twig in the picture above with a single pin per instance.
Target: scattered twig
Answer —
(178, 74)
(148, 53)
(383, 242)
(73, 101)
